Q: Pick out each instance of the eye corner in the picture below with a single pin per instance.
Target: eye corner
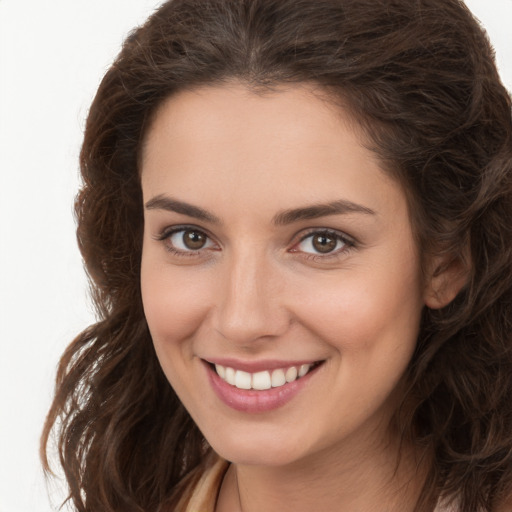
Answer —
(174, 241)
(343, 243)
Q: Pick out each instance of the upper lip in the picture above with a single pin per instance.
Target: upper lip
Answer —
(260, 365)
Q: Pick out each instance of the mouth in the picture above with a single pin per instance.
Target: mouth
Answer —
(269, 386)
(265, 379)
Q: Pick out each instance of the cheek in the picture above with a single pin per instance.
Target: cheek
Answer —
(174, 302)
(370, 308)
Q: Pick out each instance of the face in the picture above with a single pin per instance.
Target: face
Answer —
(280, 279)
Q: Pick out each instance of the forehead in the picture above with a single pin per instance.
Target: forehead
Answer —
(283, 116)
(287, 146)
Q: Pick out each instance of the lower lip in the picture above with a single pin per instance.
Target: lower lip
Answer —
(253, 401)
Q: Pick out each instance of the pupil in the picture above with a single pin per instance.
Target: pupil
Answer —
(193, 240)
(324, 243)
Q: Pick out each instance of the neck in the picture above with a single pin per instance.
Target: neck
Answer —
(371, 480)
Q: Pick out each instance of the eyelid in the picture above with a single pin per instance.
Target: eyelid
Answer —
(167, 232)
(349, 241)
(170, 230)
(304, 233)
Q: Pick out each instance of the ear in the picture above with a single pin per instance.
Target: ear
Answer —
(445, 278)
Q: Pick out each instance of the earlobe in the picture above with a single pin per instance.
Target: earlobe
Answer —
(445, 281)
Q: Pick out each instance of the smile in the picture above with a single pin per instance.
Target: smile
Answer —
(262, 380)
(267, 387)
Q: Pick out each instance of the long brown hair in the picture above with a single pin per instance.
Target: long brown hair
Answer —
(419, 76)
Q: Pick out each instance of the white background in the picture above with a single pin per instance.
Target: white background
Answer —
(53, 54)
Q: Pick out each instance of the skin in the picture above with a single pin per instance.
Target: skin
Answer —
(258, 290)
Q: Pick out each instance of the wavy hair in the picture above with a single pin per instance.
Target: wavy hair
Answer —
(419, 77)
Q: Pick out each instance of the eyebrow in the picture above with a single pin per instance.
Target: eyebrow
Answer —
(162, 202)
(315, 211)
(283, 218)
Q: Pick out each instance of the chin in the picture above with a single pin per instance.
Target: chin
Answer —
(257, 449)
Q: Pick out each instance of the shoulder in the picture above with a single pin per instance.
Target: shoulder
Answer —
(202, 488)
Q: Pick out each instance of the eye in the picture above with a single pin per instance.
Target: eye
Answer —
(323, 242)
(186, 240)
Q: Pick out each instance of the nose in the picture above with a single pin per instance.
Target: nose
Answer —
(251, 304)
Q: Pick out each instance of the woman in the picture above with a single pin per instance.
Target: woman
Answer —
(295, 216)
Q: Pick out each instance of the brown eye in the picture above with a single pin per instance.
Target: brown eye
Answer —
(324, 243)
(189, 240)
(194, 240)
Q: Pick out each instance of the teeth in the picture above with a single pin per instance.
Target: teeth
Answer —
(230, 376)
(278, 378)
(261, 380)
(291, 374)
(304, 369)
(221, 371)
(242, 380)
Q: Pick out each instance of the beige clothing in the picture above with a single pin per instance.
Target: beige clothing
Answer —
(202, 496)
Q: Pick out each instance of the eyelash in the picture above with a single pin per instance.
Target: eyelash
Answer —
(167, 233)
(348, 242)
